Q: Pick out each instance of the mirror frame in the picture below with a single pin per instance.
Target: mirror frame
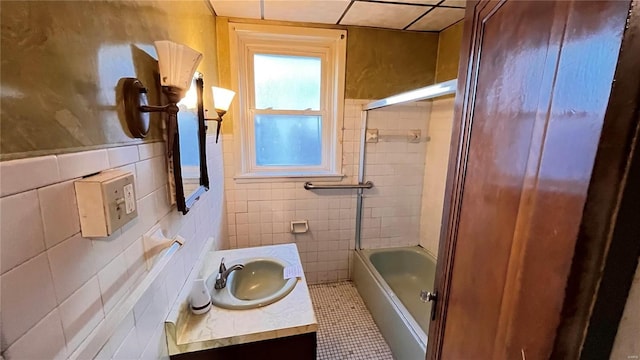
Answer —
(183, 203)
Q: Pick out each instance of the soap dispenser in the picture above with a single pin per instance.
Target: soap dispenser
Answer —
(200, 297)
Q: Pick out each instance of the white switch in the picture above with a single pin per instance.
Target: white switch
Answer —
(129, 199)
(106, 202)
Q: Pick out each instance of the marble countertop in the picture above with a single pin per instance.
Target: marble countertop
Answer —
(289, 316)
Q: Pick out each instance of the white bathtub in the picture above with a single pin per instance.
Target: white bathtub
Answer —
(389, 281)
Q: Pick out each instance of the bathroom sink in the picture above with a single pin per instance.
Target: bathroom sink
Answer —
(260, 283)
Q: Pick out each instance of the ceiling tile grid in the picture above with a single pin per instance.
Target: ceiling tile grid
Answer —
(250, 9)
(313, 11)
(382, 15)
(412, 2)
(412, 15)
(438, 19)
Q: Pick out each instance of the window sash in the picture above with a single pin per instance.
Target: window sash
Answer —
(324, 165)
(326, 149)
(321, 56)
(328, 45)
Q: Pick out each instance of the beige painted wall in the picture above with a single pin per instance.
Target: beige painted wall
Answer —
(61, 61)
(382, 63)
(449, 52)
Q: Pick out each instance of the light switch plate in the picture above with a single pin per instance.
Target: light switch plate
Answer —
(106, 202)
(115, 195)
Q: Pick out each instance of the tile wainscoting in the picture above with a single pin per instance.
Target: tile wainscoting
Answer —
(260, 213)
(58, 286)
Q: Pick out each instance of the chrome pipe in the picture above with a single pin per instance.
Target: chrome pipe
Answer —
(359, 196)
(364, 122)
(427, 92)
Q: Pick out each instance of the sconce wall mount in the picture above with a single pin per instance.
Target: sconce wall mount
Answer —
(136, 108)
(134, 97)
(218, 121)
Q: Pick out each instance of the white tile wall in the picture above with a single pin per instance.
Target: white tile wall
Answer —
(21, 234)
(43, 341)
(27, 296)
(124, 155)
(26, 174)
(117, 338)
(435, 172)
(260, 213)
(69, 276)
(81, 313)
(82, 163)
(392, 208)
(59, 212)
(57, 286)
(113, 279)
(130, 347)
(147, 151)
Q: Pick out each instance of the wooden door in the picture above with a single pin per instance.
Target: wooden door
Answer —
(534, 84)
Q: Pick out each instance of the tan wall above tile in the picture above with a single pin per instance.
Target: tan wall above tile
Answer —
(382, 63)
(449, 52)
(61, 62)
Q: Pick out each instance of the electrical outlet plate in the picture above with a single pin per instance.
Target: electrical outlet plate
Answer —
(106, 202)
(120, 202)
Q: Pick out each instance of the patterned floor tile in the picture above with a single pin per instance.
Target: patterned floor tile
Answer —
(346, 330)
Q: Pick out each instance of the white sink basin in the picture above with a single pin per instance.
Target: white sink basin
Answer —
(260, 283)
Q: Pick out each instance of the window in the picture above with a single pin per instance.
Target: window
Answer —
(290, 83)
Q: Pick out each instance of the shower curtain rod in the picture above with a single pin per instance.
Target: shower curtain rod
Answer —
(427, 92)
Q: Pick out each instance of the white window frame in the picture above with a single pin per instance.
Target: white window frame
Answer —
(329, 45)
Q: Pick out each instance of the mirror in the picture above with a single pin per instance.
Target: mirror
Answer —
(189, 155)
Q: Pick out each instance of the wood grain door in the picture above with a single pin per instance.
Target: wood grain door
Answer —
(534, 84)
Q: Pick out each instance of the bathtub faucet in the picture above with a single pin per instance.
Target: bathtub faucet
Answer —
(223, 273)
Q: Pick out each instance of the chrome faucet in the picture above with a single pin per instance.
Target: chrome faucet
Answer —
(223, 273)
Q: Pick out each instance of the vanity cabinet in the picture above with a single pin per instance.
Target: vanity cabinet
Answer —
(296, 347)
(284, 329)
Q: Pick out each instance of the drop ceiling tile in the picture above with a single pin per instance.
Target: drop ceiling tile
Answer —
(313, 11)
(438, 19)
(237, 8)
(456, 3)
(422, 2)
(390, 16)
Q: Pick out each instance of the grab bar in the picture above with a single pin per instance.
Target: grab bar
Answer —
(310, 186)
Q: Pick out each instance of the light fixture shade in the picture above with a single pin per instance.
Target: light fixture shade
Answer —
(190, 99)
(222, 98)
(177, 63)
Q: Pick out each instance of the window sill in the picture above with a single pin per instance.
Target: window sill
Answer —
(263, 178)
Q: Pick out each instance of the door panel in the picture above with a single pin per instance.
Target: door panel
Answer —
(500, 142)
(536, 83)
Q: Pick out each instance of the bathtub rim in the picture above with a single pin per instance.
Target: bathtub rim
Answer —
(414, 327)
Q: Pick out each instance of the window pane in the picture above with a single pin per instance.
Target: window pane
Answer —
(286, 82)
(283, 140)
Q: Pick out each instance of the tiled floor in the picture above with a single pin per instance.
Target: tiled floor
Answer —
(346, 328)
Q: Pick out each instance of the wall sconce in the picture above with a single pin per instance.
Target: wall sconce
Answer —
(177, 65)
(221, 101)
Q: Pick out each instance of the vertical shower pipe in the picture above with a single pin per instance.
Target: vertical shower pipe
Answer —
(363, 134)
